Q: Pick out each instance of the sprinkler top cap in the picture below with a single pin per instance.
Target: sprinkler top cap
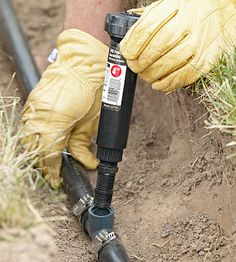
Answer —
(118, 24)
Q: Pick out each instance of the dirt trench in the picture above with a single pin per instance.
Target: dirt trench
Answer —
(175, 191)
(175, 194)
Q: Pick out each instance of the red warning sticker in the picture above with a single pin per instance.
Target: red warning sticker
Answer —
(116, 71)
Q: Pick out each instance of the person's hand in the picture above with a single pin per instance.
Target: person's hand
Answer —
(63, 110)
(176, 41)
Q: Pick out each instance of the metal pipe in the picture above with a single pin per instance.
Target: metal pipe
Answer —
(15, 43)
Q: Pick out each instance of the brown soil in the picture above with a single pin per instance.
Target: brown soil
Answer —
(175, 194)
(20, 245)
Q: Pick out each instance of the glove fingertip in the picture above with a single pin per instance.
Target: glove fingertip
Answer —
(127, 47)
(134, 66)
(86, 158)
(92, 164)
(123, 49)
(88, 162)
(161, 86)
(51, 171)
(158, 85)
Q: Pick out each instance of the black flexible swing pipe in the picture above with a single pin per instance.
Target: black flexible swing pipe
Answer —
(76, 184)
(25, 67)
(106, 244)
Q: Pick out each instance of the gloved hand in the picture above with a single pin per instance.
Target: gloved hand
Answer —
(62, 111)
(176, 41)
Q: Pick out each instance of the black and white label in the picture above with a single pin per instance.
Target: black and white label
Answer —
(114, 80)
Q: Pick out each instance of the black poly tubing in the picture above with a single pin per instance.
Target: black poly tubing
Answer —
(15, 43)
(113, 251)
(75, 179)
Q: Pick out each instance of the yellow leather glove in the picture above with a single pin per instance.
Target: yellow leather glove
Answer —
(176, 41)
(63, 109)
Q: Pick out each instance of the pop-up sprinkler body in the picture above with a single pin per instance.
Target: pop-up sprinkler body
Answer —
(117, 104)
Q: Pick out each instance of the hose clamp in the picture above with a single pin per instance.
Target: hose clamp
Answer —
(97, 242)
(82, 205)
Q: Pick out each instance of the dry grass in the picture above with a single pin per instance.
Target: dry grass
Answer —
(219, 96)
(138, 3)
(142, 3)
(18, 178)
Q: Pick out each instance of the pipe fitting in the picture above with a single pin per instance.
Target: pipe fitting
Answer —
(96, 219)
